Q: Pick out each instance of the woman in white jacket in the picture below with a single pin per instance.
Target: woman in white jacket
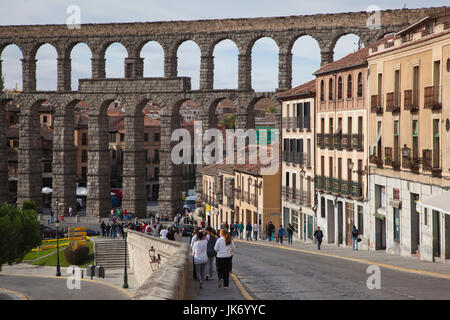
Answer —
(225, 249)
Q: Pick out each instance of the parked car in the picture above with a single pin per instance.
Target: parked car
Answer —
(50, 233)
(187, 230)
(92, 233)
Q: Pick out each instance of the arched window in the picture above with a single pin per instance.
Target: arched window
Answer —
(330, 89)
(340, 88)
(349, 86)
(360, 84)
(322, 91)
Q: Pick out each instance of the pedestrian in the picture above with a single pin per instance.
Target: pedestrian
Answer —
(70, 211)
(318, 235)
(199, 251)
(113, 230)
(102, 228)
(51, 216)
(241, 230)
(232, 228)
(280, 233)
(171, 234)
(248, 228)
(355, 238)
(270, 231)
(210, 252)
(225, 249)
(163, 233)
(290, 231)
(192, 241)
(148, 229)
(203, 224)
(255, 231)
(108, 229)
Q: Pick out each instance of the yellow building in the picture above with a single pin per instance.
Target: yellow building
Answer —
(409, 138)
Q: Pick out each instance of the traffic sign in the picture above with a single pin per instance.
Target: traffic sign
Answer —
(76, 229)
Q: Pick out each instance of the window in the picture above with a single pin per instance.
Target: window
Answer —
(415, 96)
(380, 87)
(415, 139)
(330, 89)
(360, 220)
(396, 194)
(145, 137)
(84, 155)
(349, 86)
(287, 179)
(382, 198)
(322, 91)
(11, 120)
(44, 119)
(47, 167)
(425, 216)
(156, 155)
(122, 137)
(340, 88)
(156, 136)
(396, 225)
(360, 85)
(397, 89)
(396, 142)
(83, 173)
(84, 139)
(435, 143)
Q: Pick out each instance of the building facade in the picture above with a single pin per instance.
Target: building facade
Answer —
(298, 165)
(341, 155)
(409, 137)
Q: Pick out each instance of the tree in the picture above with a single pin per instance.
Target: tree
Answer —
(2, 83)
(19, 233)
(272, 109)
(229, 122)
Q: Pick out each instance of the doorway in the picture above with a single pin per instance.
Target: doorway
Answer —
(436, 235)
(380, 234)
(415, 224)
(447, 236)
(330, 221)
(340, 223)
(349, 213)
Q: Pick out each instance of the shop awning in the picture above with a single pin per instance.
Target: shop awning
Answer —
(372, 147)
(440, 202)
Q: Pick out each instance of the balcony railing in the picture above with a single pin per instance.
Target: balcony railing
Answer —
(329, 141)
(358, 142)
(427, 156)
(318, 182)
(320, 141)
(388, 156)
(432, 97)
(338, 141)
(347, 141)
(411, 100)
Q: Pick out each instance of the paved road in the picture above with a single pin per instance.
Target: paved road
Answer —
(274, 273)
(40, 288)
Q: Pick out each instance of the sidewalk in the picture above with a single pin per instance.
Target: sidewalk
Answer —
(380, 258)
(211, 290)
(113, 277)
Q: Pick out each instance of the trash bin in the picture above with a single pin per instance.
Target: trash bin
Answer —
(90, 271)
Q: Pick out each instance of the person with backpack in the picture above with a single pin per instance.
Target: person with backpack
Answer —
(355, 238)
(280, 233)
(290, 231)
(248, 228)
(210, 252)
(318, 235)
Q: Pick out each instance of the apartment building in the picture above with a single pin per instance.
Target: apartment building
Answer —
(409, 138)
(341, 155)
(298, 136)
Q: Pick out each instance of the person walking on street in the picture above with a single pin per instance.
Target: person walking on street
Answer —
(290, 231)
(225, 249)
(318, 235)
(210, 252)
(241, 230)
(199, 251)
(248, 228)
(355, 238)
(102, 228)
(270, 231)
(280, 233)
(108, 229)
(203, 224)
(70, 211)
(255, 231)
(51, 216)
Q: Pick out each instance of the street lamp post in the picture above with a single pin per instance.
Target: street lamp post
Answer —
(58, 271)
(125, 275)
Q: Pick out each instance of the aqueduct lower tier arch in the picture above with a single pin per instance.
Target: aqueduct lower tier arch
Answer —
(98, 94)
(325, 28)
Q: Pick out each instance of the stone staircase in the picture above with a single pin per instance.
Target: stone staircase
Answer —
(109, 253)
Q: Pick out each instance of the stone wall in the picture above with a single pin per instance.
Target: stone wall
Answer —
(169, 280)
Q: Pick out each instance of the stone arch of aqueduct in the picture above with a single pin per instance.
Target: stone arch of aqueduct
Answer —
(134, 91)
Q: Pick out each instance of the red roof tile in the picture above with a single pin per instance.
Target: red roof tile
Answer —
(303, 89)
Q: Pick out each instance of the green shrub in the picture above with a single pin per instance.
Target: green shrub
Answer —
(28, 205)
(76, 255)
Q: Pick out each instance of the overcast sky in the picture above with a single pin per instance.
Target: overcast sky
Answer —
(306, 54)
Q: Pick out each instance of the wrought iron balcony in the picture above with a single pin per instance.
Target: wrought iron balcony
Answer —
(320, 141)
(411, 100)
(432, 98)
(358, 142)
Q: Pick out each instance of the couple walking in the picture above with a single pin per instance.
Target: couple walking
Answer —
(205, 248)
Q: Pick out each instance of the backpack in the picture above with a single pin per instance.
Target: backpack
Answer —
(210, 247)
